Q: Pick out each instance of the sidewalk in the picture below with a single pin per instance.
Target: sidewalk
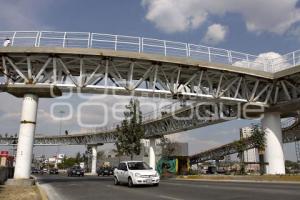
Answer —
(290, 179)
(9, 192)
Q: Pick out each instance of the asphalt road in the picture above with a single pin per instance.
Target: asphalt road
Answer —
(93, 187)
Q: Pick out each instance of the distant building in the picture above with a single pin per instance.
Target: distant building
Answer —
(250, 155)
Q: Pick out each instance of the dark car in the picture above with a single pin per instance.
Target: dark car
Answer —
(75, 171)
(211, 170)
(105, 171)
(53, 171)
(35, 171)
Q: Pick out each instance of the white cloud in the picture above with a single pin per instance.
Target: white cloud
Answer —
(173, 16)
(274, 16)
(269, 61)
(215, 34)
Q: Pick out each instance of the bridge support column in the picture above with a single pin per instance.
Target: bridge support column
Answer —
(217, 164)
(26, 136)
(152, 161)
(274, 151)
(94, 159)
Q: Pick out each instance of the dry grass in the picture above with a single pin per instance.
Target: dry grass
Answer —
(19, 192)
(289, 178)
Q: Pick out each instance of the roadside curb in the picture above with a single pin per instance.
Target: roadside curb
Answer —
(90, 174)
(42, 192)
(237, 181)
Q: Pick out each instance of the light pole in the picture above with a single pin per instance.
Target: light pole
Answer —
(61, 112)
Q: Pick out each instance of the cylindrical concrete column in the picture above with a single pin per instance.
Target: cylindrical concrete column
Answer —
(271, 124)
(94, 159)
(152, 153)
(26, 137)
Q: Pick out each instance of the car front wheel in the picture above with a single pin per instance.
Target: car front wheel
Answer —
(116, 182)
(130, 183)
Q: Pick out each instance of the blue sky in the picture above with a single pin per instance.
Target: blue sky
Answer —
(149, 18)
(249, 26)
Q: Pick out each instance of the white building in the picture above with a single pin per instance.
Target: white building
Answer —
(250, 155)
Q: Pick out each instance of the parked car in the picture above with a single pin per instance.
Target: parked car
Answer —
(105, 171)
(35, 170)
(221, 170)
(135, 173)
(44, 171)
(53, 171)
(75, 171)
(211, 170)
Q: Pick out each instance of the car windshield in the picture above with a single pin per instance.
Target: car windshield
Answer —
(138, 166)
(76, 168)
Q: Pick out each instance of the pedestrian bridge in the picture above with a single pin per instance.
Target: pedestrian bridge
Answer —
(39, 64)
(124, 65)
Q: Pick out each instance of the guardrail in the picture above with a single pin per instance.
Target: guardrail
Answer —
(149, 45)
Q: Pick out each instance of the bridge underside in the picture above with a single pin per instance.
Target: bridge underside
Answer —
(107, 72)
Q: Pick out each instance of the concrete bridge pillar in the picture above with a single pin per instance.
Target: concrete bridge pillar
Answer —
(217, 164)
(271, 124)
(26, 137)
(94, 159)
(152, 161)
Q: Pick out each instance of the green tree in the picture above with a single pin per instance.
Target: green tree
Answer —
(118, 154)
(78, 157)
(290, 165)
(100, 155)
(167, 147)
(69, 162)
(131, 131)
(259, 140)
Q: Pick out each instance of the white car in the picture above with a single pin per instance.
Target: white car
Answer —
(135, 173)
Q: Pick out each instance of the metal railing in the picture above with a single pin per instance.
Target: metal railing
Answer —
(149, 45)
(146, 117)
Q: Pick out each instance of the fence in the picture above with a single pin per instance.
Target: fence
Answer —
(148, 45)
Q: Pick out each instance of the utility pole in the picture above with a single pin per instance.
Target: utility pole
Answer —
(61, 112)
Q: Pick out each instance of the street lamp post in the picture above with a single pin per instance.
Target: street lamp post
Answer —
(61, 112)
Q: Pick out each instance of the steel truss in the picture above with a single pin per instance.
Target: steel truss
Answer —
(290, 132)
(112, 75)
(219, 153)
(166, 124)
(185, 118)
(76, 139)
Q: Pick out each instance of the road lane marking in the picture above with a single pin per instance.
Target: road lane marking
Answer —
(168, 197)
(142, 192)
(225, 187)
